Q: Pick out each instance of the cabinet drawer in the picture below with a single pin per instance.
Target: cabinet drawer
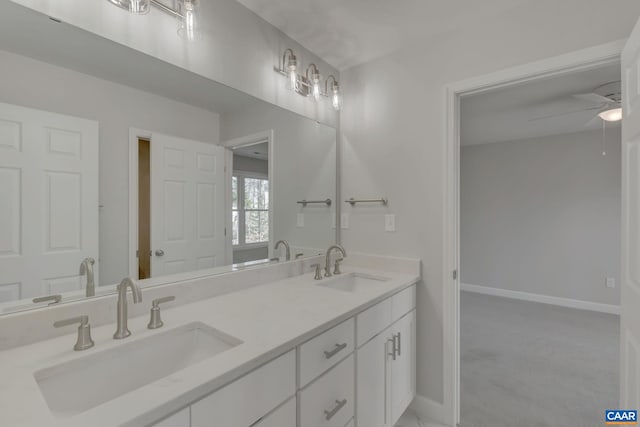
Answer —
(329, 401)
(284, 416)
(324, 351)
(373, 321)
(403, 302)
(247, 399)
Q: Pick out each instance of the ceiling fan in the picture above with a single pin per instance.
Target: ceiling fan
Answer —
(606, 100)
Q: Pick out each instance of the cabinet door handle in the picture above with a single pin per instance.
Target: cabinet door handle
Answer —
(399, 346)
(339, 405)
(393, 347)
(336, 350)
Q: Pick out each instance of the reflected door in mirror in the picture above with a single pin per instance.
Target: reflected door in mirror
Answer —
(48, 201)
(187, 205)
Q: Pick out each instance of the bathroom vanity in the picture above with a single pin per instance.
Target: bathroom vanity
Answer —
(294, 351)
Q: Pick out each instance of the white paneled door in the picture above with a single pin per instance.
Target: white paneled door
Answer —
(187, 205)
(48, 201)
(630, 298)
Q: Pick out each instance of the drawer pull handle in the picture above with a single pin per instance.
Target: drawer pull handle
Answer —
(339, 405)
(336, 350)
(393, 347)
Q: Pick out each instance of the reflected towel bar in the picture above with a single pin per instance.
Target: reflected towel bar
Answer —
(304, 203)
(353, 201)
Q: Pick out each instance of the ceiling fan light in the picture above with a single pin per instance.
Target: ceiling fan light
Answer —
(611, 115)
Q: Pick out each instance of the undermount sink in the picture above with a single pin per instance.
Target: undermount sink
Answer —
(79, 385)
(353, 282)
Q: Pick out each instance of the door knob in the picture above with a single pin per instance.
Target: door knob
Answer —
(159, 252)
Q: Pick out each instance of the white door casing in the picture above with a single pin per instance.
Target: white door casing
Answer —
(187, 205)
(48, 201)
(630, 286)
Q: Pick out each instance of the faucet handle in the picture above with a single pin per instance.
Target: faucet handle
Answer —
(53, 298)
(336, 267)
(84, 340)
(318, 275)
(155, 321)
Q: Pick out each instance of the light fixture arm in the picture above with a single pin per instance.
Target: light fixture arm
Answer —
(315, 72)
(333, 84)
(166, 9)
(284, 58)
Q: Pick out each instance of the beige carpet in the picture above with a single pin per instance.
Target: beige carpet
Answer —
(527, 364)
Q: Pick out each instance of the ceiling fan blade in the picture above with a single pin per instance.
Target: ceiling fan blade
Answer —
(551, 116)
(593, 121)
(593, 98)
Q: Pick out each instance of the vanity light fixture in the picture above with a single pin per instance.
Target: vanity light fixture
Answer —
(315, 81)
(138, 7)
(308, 85)
(186, 13)
(336, 96)
(611, 115)
(188, 22)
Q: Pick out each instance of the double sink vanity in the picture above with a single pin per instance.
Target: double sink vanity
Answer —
(282, 349)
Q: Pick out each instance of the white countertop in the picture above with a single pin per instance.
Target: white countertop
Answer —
(270, 319)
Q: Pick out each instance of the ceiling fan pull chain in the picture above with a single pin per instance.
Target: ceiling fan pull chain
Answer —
(604, 140)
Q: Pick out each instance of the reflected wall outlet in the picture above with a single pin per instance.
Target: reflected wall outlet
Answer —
(610, 282)
(300, 220)
(344, 221)
(390, 222)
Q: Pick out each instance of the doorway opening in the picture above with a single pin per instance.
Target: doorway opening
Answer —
(144, 208)
(587, 59)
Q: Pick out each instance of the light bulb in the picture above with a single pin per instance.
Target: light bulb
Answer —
(293, 79)
(336, 99)
(611, 115)
(316, 91)
(188, 23)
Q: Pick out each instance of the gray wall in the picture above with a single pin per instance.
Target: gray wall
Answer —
(543, 215)
(393, 141)
(248, 164)
(39, 85)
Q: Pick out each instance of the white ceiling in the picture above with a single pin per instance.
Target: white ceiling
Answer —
(506, 114)
(350, 32)
(255, 151)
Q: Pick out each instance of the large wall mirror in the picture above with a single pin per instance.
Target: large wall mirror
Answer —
(115, 164)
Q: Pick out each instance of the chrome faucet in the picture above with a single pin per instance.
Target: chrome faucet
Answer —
(327, 264)
(122, 331)
(87, 268)
(287, 249)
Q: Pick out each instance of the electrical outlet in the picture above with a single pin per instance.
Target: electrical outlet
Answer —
(610, 282)
(300, 220)
(390, 222)
(344, 221)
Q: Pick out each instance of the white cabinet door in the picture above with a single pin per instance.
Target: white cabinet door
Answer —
(403, 368)
(187, 205)
(284, 416)
(372, 382)
(179, 419)
(48, 201)
(630, 287)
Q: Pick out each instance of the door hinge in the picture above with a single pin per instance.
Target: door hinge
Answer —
(455, 274)
(225, 231)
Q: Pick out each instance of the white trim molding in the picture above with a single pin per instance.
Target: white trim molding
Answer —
(544, 299)
(572, 62)
(427, 409)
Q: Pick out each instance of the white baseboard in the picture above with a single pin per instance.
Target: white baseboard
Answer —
(427, 409)
(545, 299)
